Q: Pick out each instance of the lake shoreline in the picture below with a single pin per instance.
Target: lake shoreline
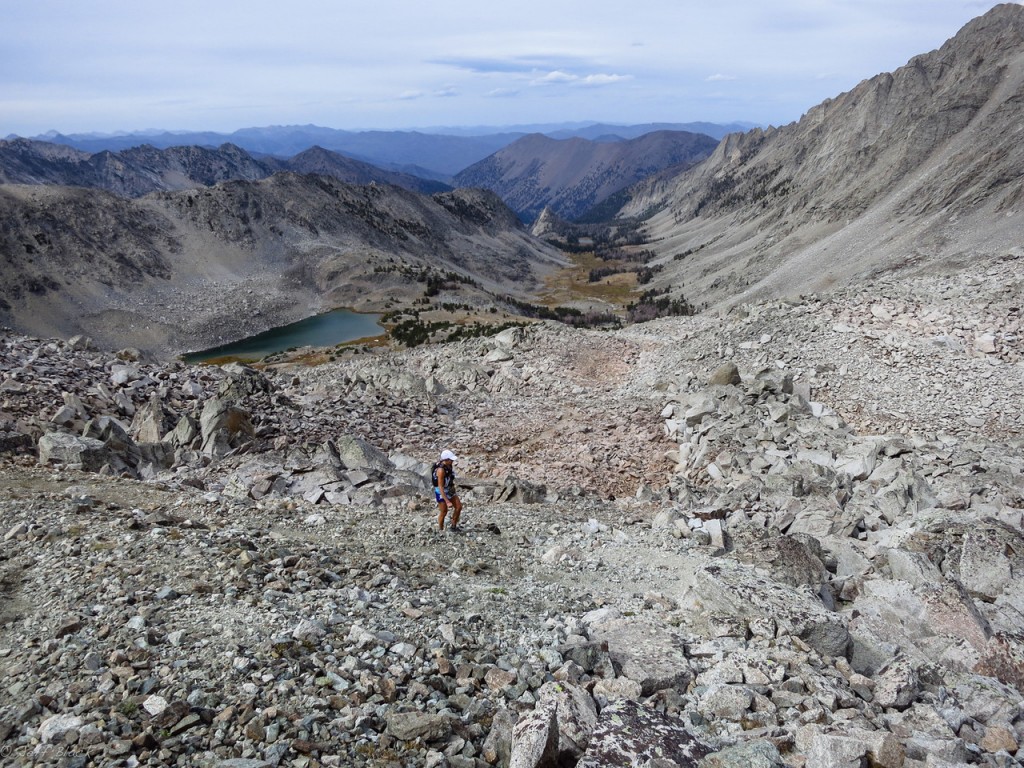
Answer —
(335, 327)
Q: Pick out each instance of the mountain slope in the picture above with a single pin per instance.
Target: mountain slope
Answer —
(570, 176)
(140, 170)
(918, 166)
(184, 270)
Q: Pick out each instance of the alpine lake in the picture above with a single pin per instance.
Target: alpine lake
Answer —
(326, 330)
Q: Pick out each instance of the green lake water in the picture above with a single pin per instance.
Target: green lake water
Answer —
(324, 330)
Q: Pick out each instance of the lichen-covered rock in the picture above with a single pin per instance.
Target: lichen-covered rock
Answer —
(719, 587)
(630, 734)
(535, 738)
(576, 715)
(647, 652)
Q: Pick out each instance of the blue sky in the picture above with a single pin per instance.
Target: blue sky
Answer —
(109, 65)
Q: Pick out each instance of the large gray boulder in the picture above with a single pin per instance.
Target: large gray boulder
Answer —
(576, 714)
(223, 426)
(86, 453)
(356, 453)
(117, 440)
(647, 652)
(629, 734)
(535, 738)
(152, 421)
(711, 587)
(931, 622)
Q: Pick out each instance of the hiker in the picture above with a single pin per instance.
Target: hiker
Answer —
(443, 476)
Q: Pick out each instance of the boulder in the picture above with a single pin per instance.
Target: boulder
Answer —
(576, 715)
(535, 738)
(86, 453)
(223, 426)
(117, 440)
(16, 442)
(629, 734)
(724, 375)
(752, 754)
(409, 726)
(933, 622)
(356, 453)
(646, 651)
(710, 587)
(151, 421)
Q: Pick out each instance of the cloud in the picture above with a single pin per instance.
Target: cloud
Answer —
(441, 93)
(512, 64)
(554, 78)
(720, 78)
(502, 93)
(604, 79)
(558, 77)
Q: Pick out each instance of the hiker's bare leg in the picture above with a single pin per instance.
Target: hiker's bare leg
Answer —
(456, 511)
(442, 510)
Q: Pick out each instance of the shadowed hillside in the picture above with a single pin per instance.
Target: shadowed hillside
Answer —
(572, 175)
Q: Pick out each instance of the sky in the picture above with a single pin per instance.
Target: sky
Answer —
(80, 66)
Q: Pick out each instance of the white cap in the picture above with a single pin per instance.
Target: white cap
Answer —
(446, 455)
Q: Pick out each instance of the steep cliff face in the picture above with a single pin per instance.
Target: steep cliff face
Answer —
(570, 176)
(919, 164)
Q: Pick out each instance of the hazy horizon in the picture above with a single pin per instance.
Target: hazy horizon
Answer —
(128, 67)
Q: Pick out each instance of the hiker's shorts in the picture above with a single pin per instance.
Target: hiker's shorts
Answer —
(437, 495)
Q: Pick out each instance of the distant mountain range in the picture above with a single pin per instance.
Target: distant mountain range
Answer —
(570, 176)
(137, 171)
(914, 170)
(426, 154)
(531, 173)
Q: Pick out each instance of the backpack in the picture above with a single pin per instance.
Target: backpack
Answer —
(449, 476)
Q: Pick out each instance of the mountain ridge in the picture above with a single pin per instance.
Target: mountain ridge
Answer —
(440, 153)
(137, 171)
(571, 175)
(914, 167)
(181, 270)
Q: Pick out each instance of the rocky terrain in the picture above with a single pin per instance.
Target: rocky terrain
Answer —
(571, 176)
(182, 271)
(784, 535)
(915, 167)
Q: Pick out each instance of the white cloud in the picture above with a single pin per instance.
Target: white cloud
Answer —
(555, 77)
(720, 78)
(605, 79)
(565, 78)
